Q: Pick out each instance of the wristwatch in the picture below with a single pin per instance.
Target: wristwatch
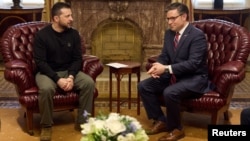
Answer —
(166, 68)
(71, 76)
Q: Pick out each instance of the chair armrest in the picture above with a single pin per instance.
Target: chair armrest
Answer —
(228, 75)
(18, 73)
(92, 66)
(232, 66)
(151, 60)
(31, 91)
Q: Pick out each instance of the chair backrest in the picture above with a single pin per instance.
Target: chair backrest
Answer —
(17, 42)
(226, 42)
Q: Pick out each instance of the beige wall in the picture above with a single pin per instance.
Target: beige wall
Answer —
(247, 3)
(247, 23)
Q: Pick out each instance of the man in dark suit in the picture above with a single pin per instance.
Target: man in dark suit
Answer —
(179, 73)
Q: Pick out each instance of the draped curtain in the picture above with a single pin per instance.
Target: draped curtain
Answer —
(190, 7)
(47, 9)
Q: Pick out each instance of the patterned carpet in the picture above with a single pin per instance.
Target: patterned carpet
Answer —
(8, 96)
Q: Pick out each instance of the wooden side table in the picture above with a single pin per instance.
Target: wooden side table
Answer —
(119, 71)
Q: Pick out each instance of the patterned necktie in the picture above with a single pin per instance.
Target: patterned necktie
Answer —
(176, 39)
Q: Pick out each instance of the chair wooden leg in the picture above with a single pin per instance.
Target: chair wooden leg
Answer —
(226, 115)
(215, 118)
(29, 122)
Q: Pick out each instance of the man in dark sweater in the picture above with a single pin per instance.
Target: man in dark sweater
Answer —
(58, 56)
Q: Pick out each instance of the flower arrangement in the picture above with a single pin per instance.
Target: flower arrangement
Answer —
(112, 127)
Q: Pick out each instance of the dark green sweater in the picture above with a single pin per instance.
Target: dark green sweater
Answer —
(55, 51)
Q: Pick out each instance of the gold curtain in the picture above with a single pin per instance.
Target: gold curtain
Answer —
(47, 8)
(190, 7)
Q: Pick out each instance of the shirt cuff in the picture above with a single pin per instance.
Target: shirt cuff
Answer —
(170, 69)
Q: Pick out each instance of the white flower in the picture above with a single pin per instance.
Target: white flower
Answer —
(92, 126)
(114, 127)
(127, 137)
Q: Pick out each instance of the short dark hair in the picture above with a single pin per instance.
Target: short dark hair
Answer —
(56, 9)
(181, 8)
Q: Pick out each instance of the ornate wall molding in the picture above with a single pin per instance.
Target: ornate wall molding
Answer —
(147, 16)
(118, 9)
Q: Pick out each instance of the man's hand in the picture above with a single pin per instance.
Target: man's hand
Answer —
(156, 70)
(65, 83)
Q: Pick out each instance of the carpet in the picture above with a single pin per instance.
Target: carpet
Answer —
(14, 126)
(7, 89)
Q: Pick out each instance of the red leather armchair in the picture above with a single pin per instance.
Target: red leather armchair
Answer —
(20, 69)
(228, 50)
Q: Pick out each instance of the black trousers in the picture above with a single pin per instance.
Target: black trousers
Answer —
(150, 90)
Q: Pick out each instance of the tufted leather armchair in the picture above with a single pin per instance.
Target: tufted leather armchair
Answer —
(20, 69)
(228, 50)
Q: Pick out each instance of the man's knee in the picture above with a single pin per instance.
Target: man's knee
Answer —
(142, 86)
(139, 86)
(47, 91)
(85, 82)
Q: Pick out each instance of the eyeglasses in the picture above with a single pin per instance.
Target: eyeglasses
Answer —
(172, 18)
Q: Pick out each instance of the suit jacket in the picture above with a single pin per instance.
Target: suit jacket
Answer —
(188, 61)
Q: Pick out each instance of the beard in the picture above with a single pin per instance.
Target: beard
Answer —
(65, 26)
